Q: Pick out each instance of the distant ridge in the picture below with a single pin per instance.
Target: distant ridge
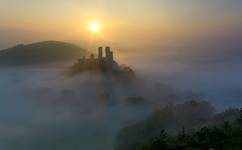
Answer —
(40, 53)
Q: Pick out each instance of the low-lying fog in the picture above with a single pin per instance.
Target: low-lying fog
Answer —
(41, 108)
(220, 84)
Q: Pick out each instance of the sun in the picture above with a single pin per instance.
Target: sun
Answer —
(94, 27)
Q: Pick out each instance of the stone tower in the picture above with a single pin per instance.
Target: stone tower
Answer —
(100, 55)
(109, 55)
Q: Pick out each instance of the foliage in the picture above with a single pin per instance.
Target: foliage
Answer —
(112, 71)
(171, 118)
(225, 137)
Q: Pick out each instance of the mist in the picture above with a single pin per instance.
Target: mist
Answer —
(43, 108)
(210, 67)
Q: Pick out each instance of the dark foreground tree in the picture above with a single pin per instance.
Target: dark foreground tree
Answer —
(224, 137)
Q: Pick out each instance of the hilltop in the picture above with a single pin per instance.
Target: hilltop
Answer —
(105, 65)
(41, 53)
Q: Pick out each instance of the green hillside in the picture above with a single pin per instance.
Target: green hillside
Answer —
(39, 53)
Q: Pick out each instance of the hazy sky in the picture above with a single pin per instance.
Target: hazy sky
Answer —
(128, 22)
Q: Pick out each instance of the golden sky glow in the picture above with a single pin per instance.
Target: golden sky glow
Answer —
(121, 22)
(94, 27)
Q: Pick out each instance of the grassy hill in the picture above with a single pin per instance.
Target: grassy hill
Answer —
(39, 53)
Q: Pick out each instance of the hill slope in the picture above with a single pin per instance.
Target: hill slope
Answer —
(42, 52)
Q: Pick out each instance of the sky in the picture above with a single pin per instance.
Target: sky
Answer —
(129, 23)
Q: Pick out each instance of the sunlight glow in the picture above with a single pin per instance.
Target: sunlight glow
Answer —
(94, 27)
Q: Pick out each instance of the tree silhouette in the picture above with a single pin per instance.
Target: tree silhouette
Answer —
(225, 137)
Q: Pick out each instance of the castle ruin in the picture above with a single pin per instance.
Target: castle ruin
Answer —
(102, 64)
(101, 59)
